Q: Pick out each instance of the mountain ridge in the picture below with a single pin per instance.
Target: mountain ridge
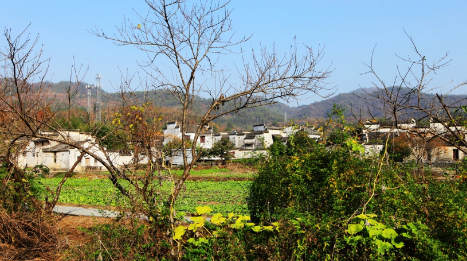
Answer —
(356, 103)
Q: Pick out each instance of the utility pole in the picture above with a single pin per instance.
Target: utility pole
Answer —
(89, 88)
(285, 118)
(98, 98)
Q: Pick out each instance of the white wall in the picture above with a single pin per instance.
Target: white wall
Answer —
(373, 150)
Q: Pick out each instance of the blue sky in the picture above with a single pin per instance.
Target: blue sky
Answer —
(348, 29)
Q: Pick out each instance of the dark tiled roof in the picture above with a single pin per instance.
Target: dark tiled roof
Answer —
(279, 137)
(380, 137)
(250, 136)
(40, 140)
(124, 153)
(57, 148)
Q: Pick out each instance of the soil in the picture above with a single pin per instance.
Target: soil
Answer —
(70, 227)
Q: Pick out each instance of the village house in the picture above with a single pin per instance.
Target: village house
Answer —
(172, 131)
(246, 143)
(424, 140)
(59, 156)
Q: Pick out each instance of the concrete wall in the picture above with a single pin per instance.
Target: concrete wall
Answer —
(177, 158)
(56, 160)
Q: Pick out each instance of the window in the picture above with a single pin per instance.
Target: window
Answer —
(55, 157)
(455, 154)
(202, 139)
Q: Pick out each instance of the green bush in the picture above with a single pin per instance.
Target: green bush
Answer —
(301, 177)
(332, 185)
(19, 189)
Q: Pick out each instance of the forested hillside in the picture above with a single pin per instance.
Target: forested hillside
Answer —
(357, 103)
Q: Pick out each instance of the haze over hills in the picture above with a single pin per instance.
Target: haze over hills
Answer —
(356, 101)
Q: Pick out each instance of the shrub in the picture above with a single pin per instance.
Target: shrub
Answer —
(334, 185)
(19, 189)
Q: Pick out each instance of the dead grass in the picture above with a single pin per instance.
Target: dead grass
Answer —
(40, 236)
(28, 236)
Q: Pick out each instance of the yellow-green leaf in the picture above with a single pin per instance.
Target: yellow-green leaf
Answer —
(257, 229)
(203, 210)
(198, 220)
(179, 232)
(269, 228)
(354, 228)
(217, 219)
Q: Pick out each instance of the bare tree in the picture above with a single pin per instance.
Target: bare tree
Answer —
(24, 106)
(192, 37)
(406, 97)
(27, 114)
(72, 89)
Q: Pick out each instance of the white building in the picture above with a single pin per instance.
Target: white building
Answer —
(61, 157)
(205, 139)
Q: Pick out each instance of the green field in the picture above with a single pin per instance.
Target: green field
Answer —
(223, 197)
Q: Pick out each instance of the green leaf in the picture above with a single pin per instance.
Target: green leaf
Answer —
(412, 226)
(389, 233)
(380, 226)
(353, 240)
(383, 246)
(421, 225)
(397, 242)
(373, 232)
(180, 215)
(407, 235)
(203, 240)
(354, 228)
(362, 216)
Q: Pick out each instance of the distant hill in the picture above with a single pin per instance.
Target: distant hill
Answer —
(355, 101)
(359, 103)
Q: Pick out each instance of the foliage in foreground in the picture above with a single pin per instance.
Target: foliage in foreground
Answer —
(309, 202)
(235, 237)
(337, 185)
(26, 232)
